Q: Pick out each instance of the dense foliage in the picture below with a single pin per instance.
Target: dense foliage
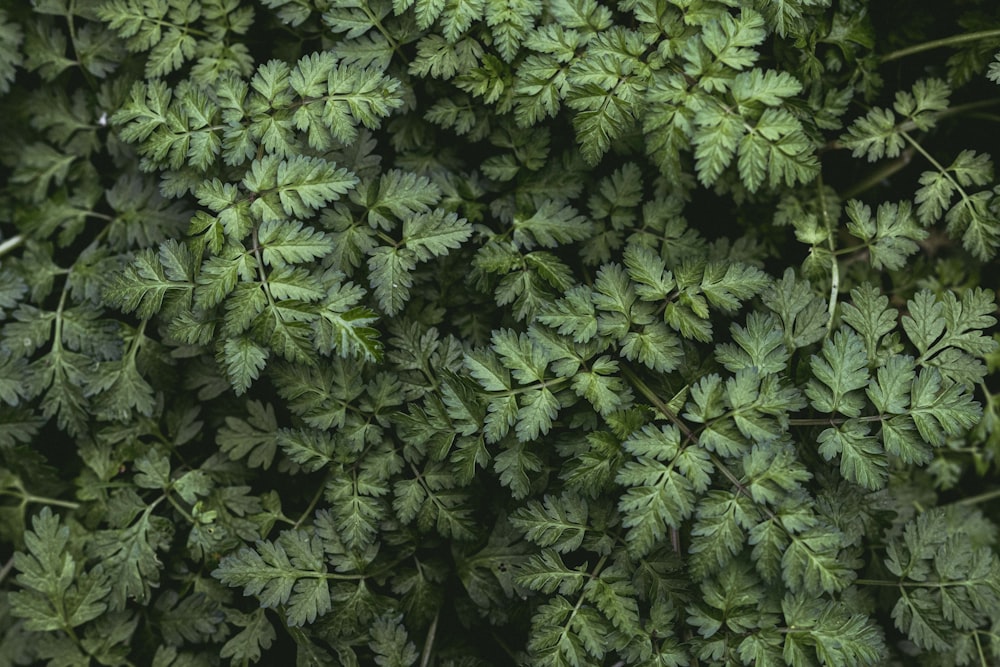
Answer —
(489, 332)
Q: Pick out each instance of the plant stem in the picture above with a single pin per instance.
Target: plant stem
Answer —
(180, 509)
(425, 656)
(879, 175)
(834, 264)
(41, 500)
(9, 244)
(5, 570)
(312, 504)
(644, 389)
(981, 498)
(875, 582)
(740, 486)
(954, 40)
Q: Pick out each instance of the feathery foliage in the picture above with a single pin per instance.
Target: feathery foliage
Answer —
(499, 332)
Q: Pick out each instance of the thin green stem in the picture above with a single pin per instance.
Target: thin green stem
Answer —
(262, 273)
(10, 244)
(740, 486)
(55, 502)
(954, 40)
(831, 421)
(879, 175)
(651, 396)
(183, 512)
(136, 342)
(910, 584)
(979, 649)
(76, 52)
(425, 656)
(579, 603)
(385, 33)
(956, 110)
(930, 158)
(981, 498)
(5, 570)
(876, 582)
(834, 265)
(312, 504)
(851, 250)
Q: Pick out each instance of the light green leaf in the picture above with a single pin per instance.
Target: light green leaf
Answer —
(434, 234)
(839, 373)
(288, 242)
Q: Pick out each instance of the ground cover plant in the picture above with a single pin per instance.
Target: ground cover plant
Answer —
(499, 332)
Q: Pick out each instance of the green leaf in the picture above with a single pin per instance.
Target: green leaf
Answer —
(831, 632)
(12, 387)
(648, 271)
(296, 186)
(10, 53)
(719, 135)
(874, 135)
(890, 392)
(655, 346)
(658, 495)
(129, 556)
(286, 572)
(869, 315)
(257, 635)
(573, 315)
(812, 563)
(350, 331)
(760, 345)
(356, 96)
(777, 149)
(291, 243)
(170, 53)
(254, 438)
(458, 15)
(862, 460)
(839, 373)
(434, 234)
(941, 411)
(56, 594)
(400, 194)
(891, 237)
(947, 332)
(509, 22)
(558, 522)
(390, 276)
(928, 97)
(993, 74)
(803, 315)
(975, 217)
(730, 39)
(390, 643)
(244, 360)
(938, 187)
(726, 286)
(944, 581)
(310, 449)
(553, 224)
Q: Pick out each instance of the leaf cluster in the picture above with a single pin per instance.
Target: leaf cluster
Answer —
(473, 332)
